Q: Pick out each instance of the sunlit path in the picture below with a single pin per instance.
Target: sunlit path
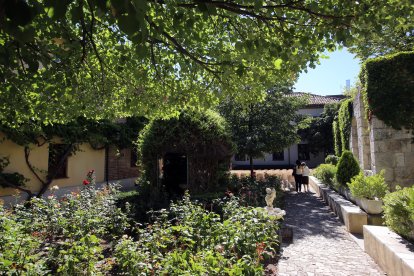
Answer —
(321, 245)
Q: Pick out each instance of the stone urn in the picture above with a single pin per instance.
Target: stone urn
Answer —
(371, 206)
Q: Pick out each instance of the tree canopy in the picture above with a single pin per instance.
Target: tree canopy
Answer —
(104, 58)
(268, 126)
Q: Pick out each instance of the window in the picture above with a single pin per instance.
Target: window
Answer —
(56, 152)
(134, 158)
(239, 157)
(303, 152)
(279, 156)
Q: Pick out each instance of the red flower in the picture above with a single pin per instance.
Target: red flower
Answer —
(86, 182)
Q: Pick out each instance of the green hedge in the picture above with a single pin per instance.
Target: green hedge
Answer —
(344, 123)
(388, 88)
(337, 138)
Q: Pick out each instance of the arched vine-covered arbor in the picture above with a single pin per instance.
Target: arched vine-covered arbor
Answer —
(191, 151)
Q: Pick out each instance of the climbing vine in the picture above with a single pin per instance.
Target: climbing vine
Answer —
(337, 138)
(388, 89)
(98, 134)
(344, 123)
(203, 136)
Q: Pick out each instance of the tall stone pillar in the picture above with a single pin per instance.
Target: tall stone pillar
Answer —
(362, 129)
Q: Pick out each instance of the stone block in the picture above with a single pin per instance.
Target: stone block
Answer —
(354, 218)
(399, 160)
(393, 145)
(406, 146)
(391, 252)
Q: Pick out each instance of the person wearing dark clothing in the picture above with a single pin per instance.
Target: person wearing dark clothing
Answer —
(297, 174)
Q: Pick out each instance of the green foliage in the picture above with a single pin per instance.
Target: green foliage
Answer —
(337, 137)
(264, 126)
(106, 59)
(369, 187)
(326, 173)
(203, 136)
(332, 159)
(347, 168)
(61, 235)
(251, 192)
(344, 123)
(81, 130)
(399, 211)
(387, 86)
(319, 133)
(188, 240)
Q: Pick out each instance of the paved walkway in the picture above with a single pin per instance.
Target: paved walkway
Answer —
(321, 245)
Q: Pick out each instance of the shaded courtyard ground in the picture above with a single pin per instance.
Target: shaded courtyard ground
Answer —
(321, 245)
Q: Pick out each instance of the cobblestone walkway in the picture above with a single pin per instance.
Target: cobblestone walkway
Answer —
(321, 245)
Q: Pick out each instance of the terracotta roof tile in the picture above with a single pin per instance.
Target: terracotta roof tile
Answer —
(320, 100)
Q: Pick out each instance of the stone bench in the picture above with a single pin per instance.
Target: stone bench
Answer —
(351, 215)
(391, 252)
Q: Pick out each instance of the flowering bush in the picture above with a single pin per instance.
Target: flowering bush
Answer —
(60, 235)
(188, 240)
(86, 233)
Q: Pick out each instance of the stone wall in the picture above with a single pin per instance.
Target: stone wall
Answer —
(382, 147)
(362, 151)
(120, 165)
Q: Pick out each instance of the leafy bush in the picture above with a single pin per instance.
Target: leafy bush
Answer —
(326, 173)
(399, 211)
(370, 187)
(252, 192)
(332, 159)
(347, 168)
(187, 240)
(60, 235)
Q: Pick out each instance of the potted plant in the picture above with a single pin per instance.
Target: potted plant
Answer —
(369, 190)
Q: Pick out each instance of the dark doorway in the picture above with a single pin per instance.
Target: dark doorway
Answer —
(175, 174)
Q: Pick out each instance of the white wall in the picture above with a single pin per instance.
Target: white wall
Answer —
(291, 153)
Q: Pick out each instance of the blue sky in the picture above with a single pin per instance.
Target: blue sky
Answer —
(329, 78)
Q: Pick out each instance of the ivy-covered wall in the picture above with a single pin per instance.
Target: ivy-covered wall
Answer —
(388, 89)
(344, 123)
(202, 136)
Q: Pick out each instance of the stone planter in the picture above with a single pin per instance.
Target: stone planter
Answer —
(372, 207)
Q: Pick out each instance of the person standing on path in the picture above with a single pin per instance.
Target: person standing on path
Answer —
(297, 173)
(305, 176)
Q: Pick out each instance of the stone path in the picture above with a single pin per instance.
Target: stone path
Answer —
(321, 245)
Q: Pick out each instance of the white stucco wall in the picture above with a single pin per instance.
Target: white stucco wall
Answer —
(291, 153)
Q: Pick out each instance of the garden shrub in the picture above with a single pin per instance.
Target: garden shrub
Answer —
(188, 240)
(252, 192)
(326, 173)
(347, 168)
(399, 211)
(61, 236)
(332, 159)
(369, 187)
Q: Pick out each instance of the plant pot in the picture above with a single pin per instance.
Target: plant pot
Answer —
(372, 207)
